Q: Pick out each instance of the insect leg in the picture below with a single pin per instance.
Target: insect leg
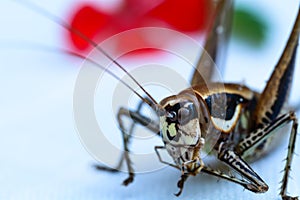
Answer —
(180, 183)
(232, 159)
(136, 117)
(204, 169)
(144, 121)
(218, 174)
(198, 165)
(122, 111)
(184, 176)
(262, 133)
(222, 175)
(289, 157)
(278, 86)
(156, 148)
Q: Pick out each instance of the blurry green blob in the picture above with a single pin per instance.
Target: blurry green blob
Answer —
(249, 27)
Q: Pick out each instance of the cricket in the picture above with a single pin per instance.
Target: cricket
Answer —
(244, 121)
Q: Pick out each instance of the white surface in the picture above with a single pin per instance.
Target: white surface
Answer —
(40, 152)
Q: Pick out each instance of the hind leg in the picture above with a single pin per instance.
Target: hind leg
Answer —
(261, 134)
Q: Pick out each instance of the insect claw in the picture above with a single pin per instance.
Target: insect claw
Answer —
(180, 189)
(127, 181)
(178, 193)
(180, 184)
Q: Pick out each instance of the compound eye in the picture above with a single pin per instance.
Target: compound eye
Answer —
(172, 116)
(183, 115)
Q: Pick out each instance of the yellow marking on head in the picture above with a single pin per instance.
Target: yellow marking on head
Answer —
(172, 130)
(164, 128)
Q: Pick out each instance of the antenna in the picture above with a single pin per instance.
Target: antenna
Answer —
(67, 26)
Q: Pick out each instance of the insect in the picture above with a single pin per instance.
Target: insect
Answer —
(243, 119)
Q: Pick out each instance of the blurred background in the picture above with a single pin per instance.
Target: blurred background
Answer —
(40, 151)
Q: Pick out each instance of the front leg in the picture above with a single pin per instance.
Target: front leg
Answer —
(136, 117)
(195, 164)
(191, 167)
(181, 182)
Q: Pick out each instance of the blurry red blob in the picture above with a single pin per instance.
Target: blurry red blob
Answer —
(185, 16)
(190, 16)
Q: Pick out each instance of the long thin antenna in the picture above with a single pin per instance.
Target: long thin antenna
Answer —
(108, 71)
(35, 46)
(67, 26)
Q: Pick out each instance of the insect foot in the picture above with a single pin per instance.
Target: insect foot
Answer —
(128, 180)
(289, 198)
(257, 189)
(180, 184)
